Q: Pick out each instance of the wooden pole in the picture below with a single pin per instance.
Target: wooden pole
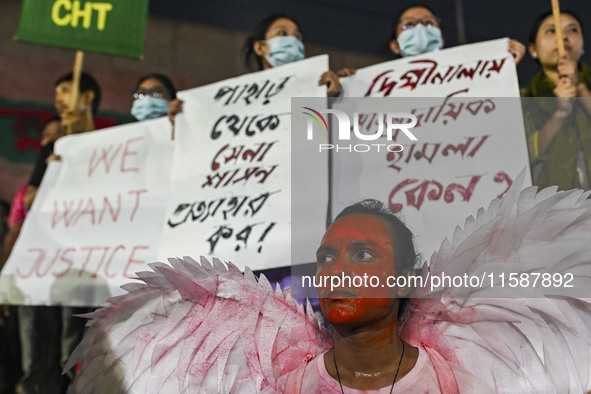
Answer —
(558, 26)
(76, 79)
(67, 127)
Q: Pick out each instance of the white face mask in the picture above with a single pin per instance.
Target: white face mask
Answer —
(283, 50)
(149, 107)
(419, 40)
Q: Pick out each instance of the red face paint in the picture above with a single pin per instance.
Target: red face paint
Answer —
(358, 246)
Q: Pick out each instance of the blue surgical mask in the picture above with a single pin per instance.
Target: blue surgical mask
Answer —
(149, 107)
(420, 40)
(283, 50)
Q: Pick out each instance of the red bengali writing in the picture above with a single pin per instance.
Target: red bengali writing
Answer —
(448, 111)
(236, 155)
(252, 92)
(89, 261)
(429, 151)
(429, 72)
(416, 192)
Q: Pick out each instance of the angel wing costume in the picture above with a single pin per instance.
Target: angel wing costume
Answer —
(197, 327)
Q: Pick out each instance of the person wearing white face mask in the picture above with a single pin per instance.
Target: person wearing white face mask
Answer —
(417, 30)
(152, 96)
(277, 40)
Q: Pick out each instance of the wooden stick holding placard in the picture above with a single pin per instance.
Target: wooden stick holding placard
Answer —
(557, 26)
(67, 126)
(76, 79)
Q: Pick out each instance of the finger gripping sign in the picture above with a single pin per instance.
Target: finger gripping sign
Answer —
(95, 26)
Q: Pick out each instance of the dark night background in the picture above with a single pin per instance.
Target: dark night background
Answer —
(365, 26)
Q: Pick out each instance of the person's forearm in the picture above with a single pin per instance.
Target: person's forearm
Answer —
(547, 133)
(30, 194)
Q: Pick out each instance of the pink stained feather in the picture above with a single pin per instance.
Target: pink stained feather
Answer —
(194, 328)
(514, 344)
(201, 327)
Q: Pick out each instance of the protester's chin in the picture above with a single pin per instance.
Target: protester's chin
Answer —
(60, 110)
(340, 294)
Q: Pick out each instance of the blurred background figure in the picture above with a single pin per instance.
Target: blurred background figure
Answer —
(559, 131)
(417, 30)
(10, 349)
(152, 96)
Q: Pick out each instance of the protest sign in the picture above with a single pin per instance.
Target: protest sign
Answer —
(470, 140)
(101, 213)
(106, 26)
(231, 174)
(97, 217)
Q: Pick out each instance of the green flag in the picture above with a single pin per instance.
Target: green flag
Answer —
(115, 27)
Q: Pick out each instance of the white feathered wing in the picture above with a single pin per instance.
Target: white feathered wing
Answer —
(196, 328)
(517, 345)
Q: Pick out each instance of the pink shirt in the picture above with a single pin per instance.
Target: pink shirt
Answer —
(17, 209)
(421, 379)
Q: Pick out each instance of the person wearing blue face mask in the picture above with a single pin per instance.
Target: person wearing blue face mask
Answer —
(277, 40)
(152, 96)
(417, 30)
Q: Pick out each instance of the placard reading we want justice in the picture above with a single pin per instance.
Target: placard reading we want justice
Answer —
(124, 197)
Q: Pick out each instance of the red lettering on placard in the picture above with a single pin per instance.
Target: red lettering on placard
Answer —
(91, 250)
(107, 205)
(86, 261)
(42, 253)
(66, 260)
(137, 201)
(108, 156)
(126, 153)
(132, 260)
(104, 158)
(110, 260)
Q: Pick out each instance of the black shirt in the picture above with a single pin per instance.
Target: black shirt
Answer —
(41, 164)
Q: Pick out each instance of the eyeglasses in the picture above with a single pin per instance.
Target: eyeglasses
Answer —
(155, 92)
(429, 23)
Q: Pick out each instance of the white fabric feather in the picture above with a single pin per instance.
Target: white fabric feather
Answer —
(198, 327)
(516, 345)
(193, 327)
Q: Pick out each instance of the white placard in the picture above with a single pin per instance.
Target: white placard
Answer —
(470, 138)
(231, 176)
(97, 217)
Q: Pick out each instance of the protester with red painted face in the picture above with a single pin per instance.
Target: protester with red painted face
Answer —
(367, 240)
